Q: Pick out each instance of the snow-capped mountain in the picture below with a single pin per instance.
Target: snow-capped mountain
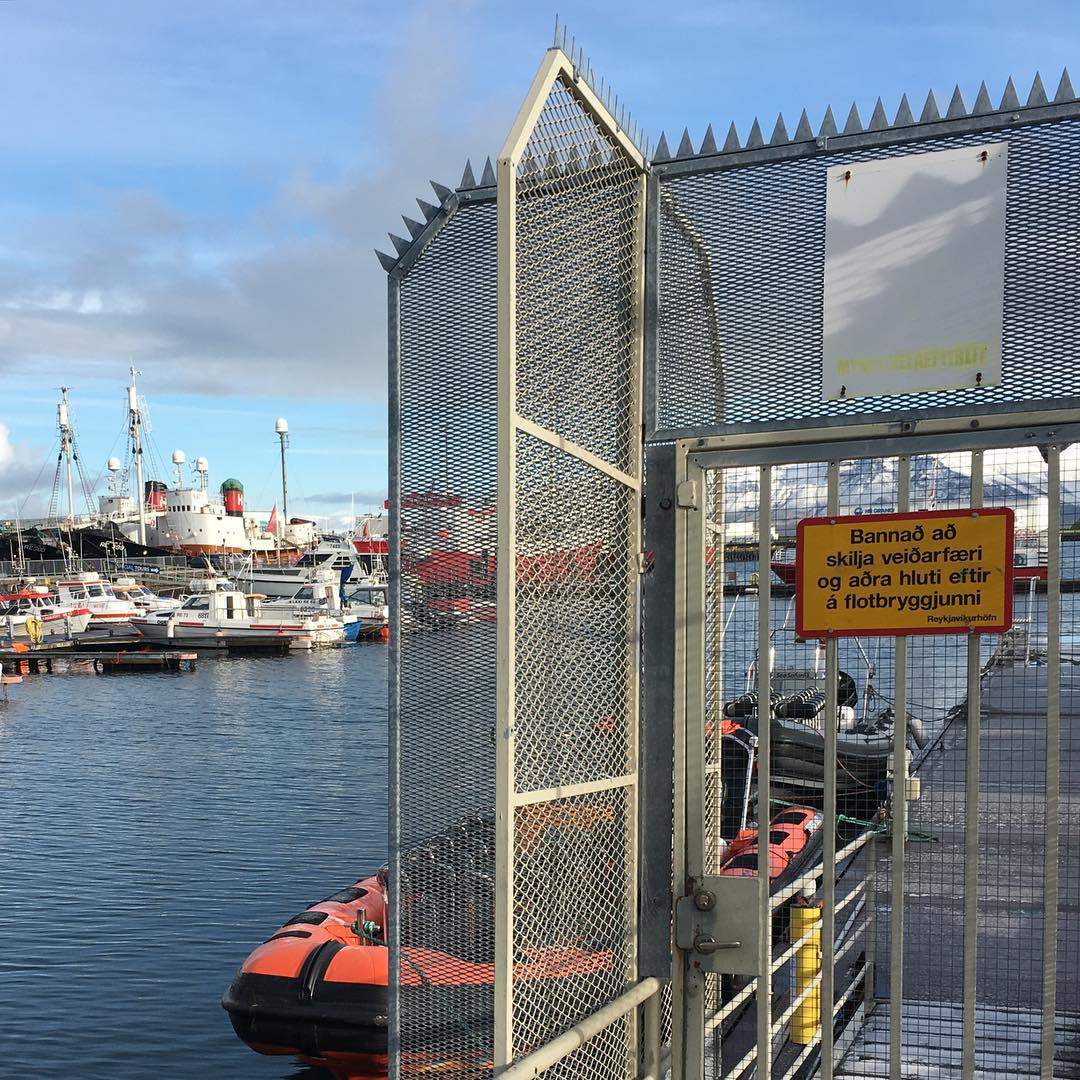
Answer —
(1015, 478)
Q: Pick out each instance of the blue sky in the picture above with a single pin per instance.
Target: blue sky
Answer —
(197, 188)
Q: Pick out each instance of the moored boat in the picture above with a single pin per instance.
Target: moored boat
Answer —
(95, 593)
(33, 612)
(229, 619)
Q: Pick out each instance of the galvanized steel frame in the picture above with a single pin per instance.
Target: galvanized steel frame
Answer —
(555, 66)
(832, 443)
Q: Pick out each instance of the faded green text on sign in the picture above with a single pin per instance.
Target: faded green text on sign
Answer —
(935, 572)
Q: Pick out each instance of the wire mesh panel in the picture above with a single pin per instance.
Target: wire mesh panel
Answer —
(571, 208)
(444, 622)
(981, 979)
(741, 284)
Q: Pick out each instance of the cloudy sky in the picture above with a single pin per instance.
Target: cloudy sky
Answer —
(197, 189)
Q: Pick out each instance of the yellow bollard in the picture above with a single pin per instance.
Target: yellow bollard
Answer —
(806, 1019)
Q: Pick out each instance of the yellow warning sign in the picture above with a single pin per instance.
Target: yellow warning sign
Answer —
(935, 572)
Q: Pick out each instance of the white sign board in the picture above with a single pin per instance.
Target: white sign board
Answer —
(914, 273)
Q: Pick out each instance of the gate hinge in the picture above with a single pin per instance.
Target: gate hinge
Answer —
(687, 495)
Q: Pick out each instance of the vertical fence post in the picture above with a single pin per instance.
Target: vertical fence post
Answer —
(764, 689)
(394, 682)
(692, 521)
(899, 818)
(1053, 757)
(506, 590)
(971, 815)
(828, 882)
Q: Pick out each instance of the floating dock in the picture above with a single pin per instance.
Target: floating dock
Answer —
(36, 659)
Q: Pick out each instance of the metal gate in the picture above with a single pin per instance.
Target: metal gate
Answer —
(571, 239)
(942, 935)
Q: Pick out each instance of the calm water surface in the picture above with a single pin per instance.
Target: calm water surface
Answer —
(154, 828)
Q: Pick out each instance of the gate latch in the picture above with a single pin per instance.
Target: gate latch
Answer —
(718, 925)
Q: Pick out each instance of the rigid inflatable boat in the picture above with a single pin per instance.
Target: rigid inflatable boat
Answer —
(317, 988)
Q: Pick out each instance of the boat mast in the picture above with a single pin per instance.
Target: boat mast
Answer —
(136, 452)
(66, 439)
(281, 426)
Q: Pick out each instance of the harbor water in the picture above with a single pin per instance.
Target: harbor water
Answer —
(154, 828)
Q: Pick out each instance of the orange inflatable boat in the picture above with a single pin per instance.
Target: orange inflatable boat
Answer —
(317, 988)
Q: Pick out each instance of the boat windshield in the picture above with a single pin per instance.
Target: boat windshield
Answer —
(198, 603)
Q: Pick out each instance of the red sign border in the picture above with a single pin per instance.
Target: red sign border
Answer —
(915, 515)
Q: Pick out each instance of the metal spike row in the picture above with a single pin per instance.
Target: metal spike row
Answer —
(903, 114)
(468, 181)
(983, 104)
(956, 105)
(779, 134)
(415, 227)
(686, 147)
(488, 177)
(854, 123)
(878, 120)
(441, 191)
(804, 132)
(662, 152)
(1009, 100)
(388, 261)
(732, 140)
(427, 209)
(1038, 92)
(400, 245)
(930, 110)
(555, 39)
(828, 124)
(708, 143)
(1065, 90)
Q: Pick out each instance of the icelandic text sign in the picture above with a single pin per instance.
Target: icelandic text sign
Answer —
(935, 572)
(914, 273)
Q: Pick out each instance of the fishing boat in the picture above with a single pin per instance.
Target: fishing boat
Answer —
(229, 619)
(333, 560)
(144, 599)
(95, 593)
(33, 613)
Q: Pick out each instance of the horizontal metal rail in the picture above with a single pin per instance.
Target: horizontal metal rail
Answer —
(532, 1065)
(811, 878)
(721, 1015)
(807, 1050)
(791, 949)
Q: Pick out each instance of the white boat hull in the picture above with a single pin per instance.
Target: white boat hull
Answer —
(269, 635)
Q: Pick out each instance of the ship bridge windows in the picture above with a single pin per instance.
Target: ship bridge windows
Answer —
(197, 603)
(95, 591)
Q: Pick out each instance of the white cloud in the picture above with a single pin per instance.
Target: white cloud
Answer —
(282, 298)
